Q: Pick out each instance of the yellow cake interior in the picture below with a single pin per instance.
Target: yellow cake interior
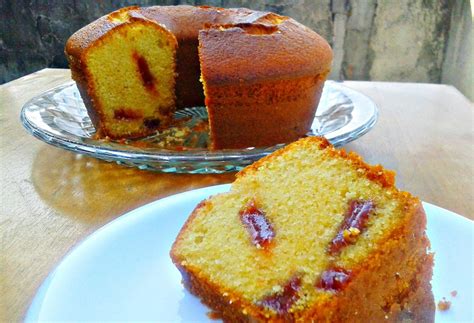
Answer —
(305, 195)
(132, 73)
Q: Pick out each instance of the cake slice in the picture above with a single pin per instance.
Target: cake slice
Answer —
(128, 73)
(309, 233)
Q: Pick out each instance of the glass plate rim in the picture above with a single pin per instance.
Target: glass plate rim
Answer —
(121, 153)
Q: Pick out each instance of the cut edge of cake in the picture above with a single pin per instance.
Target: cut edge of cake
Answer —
(127, 76)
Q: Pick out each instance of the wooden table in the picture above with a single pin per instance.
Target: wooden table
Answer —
(51, 199)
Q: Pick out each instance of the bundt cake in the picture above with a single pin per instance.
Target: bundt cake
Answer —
(259, 74)
(309, 234)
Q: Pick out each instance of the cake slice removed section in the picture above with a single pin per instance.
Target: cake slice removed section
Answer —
(309, 233)
(127, 75)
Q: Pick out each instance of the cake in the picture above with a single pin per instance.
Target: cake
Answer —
(135, 66)
(126, 76)
(309, 233)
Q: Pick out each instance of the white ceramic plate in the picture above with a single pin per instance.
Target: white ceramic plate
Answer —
(123, 271)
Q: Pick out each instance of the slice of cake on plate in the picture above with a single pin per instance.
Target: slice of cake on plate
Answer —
(309, 233)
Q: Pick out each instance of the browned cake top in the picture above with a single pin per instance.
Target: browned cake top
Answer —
(287, 47)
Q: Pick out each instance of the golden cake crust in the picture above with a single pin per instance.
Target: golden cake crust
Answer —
(294, 49)
(273, 106)
(288, 50)
(373, 172)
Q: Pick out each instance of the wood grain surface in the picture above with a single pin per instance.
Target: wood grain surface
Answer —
(51, 199)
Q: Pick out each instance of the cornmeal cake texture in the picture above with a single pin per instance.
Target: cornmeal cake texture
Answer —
(126, 77)
(309, 233)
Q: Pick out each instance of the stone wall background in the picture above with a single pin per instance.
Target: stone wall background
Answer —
(383, 40)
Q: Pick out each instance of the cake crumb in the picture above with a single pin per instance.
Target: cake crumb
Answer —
(444, 305)
(454, 293)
